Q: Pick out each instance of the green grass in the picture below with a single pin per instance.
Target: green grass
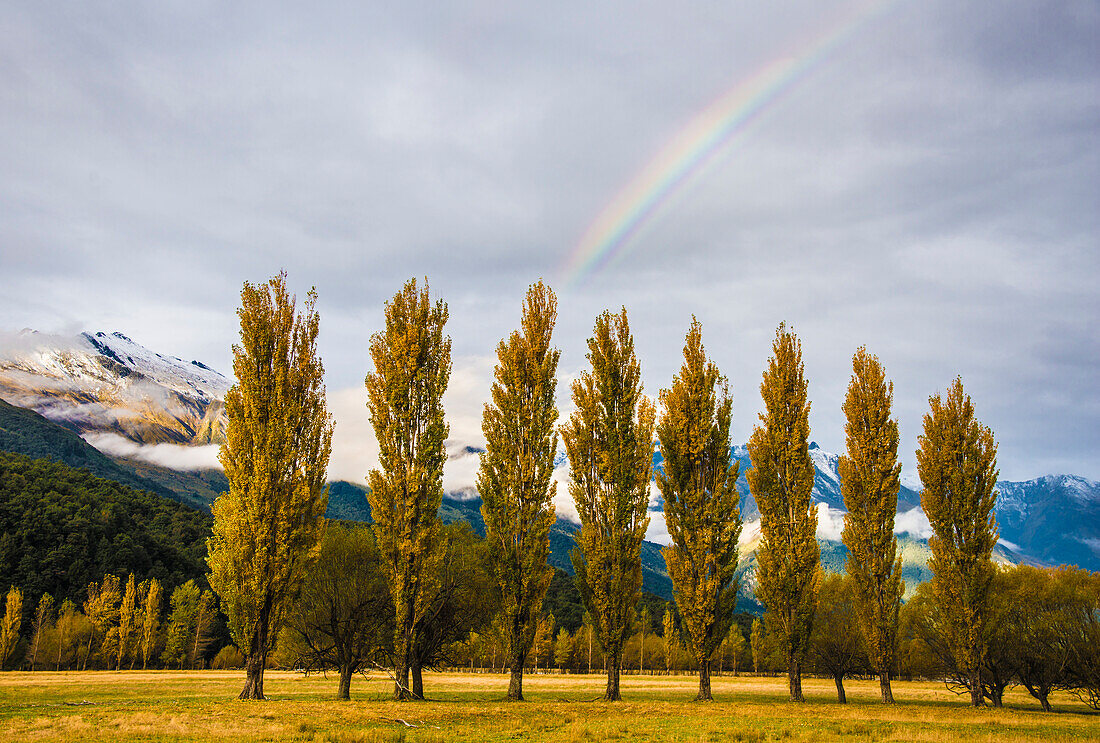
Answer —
(201, 705)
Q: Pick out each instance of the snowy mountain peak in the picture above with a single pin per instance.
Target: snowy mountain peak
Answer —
(107, 384)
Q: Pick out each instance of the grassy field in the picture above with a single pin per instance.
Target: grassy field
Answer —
(201, 705)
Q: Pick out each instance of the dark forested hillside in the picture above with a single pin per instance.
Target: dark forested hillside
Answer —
(61, 528)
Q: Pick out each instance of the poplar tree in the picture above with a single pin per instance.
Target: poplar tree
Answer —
(869, 483)
(756, 644)
(42, 618)
(150, 627)
(127, 618)
(517, 495)
(412, 365)
(699, 485)
(609, 441)
(957, 463)
(669, 630)
(267, 528)
(11, 623)
(781, 481)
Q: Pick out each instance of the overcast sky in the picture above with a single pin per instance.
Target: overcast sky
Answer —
(928, 184)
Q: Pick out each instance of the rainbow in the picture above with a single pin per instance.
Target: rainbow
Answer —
(698, 144)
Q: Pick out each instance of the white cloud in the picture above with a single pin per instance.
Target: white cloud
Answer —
(563, 501)
(172, 456)
(914, 522)
(830, 522)
(658, 529)
(460, 470)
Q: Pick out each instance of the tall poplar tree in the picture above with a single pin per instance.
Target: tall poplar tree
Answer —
(781, 481)
(517, 496)
(268, 527)
(957, 463)
(869, 482)
(412, 365)
(609, 441)
(699, 485)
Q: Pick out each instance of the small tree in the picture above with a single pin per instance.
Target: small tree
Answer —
(957, 462)
(836, 645)
(42, 617)
(267, 528)
(182, 621)
(150, 628)
(412, 365)
(609, 441)
(699, 485)
(669, 629)
(11, 623)
(563, 649)
(869, 481)
(344, 616)
(781, 480)
(736, 643)
(101, 608)
(127, 619)
(756, 640)
(67, 631)
(514, 482)
(643, 625)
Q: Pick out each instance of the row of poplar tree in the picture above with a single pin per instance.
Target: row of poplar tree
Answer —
(120, 625)
(269, 526)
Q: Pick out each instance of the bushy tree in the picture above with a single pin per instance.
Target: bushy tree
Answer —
(515, 477)
(609, 441)
(869, 481)
(957, 462)
(836, 644)
(462, 600)
(412, 365)
(781, 481)
(344, 616)
(268, 526)
(699, 485)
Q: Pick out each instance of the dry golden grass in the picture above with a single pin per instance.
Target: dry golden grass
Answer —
(201, 705)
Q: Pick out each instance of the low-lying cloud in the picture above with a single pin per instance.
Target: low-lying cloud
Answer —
(914, 522)
(172, 456)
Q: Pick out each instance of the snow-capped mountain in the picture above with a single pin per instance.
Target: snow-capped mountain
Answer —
(1054, 518)
(105, 383)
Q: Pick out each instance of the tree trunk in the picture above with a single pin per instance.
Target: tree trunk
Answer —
(704, 694)
(614, 666)
(254, 674)
(256, 661)
(840, 698)
(401, 690)
(976, 699)
(515, 684)
(1045, 701)
(343, 692)
(884, 687)
(417, 680)
(794, 677)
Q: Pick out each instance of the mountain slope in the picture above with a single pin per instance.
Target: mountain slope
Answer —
(105, 383)
(61, 527)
